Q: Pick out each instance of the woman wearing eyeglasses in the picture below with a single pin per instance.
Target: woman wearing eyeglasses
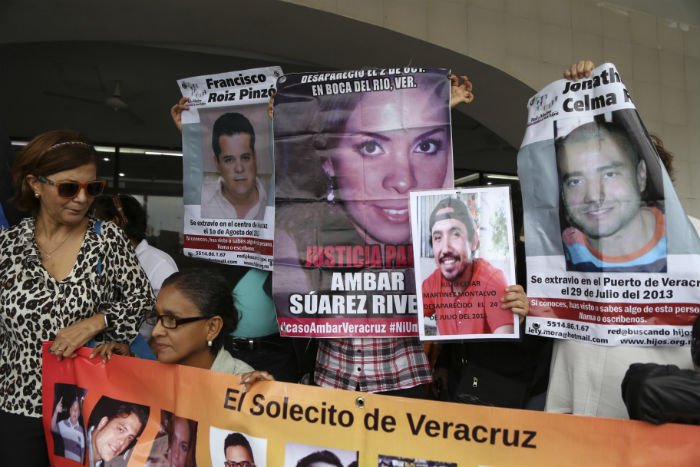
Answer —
(192, 323)
(63, 278)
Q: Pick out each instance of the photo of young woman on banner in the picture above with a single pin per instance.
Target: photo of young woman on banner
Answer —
(612, 258)
(349, 146)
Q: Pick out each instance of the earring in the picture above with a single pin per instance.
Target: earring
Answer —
(330, 197)
(37, 195)
(209, 343)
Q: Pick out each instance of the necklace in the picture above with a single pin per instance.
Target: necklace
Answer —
(47, 254)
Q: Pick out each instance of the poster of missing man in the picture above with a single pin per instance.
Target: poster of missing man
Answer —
(464, 260)
(133, 412)
(349, 146)
(612, 258)
(228, 168)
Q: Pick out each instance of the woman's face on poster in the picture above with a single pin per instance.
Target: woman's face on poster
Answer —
(394, 142)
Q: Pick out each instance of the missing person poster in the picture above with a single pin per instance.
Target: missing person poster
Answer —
(228, 171)
(465, 259)
(612, 258)
(349, 146)
(144, 413)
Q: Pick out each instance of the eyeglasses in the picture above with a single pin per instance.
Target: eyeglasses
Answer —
(71, 189)
(239, 464)
(170, 322)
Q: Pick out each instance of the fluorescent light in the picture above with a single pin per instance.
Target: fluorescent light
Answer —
(19, 143)
(466, 179)
(106, 159)
(502, 177)
(122, 174)
(163, 153)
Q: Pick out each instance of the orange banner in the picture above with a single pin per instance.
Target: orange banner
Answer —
(138, 412)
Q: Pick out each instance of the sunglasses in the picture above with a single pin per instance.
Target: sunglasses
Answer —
(71, 189)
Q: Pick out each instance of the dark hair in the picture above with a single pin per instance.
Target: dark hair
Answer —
(237, 439)
(112, 408)
(211, 293)
(665, 156)
(104, 207)
(597, 130)
(319, 456)
(229, 124)
(45, 155)
(459, 212)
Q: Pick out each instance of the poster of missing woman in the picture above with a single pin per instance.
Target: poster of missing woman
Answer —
(349, 146)
(612, 258)
(228, 171)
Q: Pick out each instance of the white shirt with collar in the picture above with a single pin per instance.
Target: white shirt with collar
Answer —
(216, 206)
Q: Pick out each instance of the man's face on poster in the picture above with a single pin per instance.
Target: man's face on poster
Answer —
(111, 437)
(74, 412)
(238, 455)
(601, 184)
(236, 164)
(451, 246)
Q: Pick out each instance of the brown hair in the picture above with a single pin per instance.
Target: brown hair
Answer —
(46, 155)
(666, 157)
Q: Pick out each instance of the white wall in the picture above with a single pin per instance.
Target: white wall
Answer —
(655, 50)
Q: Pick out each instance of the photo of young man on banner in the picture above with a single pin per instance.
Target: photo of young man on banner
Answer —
(228, 171)
(349, 147)
(612, 258)
(612, 195)
(463, 242)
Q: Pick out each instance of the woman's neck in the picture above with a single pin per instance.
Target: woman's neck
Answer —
(204, 359)
(46, 227)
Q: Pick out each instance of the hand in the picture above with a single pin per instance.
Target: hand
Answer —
(59, 406)
(581, 69)
(105, 351)
(176, 111)
(439, 386)
(271, 104)
(252, 376)
(71, 338)
(460, 91)
(516, 301)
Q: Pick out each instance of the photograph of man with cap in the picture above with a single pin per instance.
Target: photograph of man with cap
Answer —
(464, 293)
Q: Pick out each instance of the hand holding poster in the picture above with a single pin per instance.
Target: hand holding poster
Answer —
(349, 147)
(141, 412)
(463, 240)
(228, 168)
(612, 258)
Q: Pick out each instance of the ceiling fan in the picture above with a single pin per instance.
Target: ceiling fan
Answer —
(115, 101)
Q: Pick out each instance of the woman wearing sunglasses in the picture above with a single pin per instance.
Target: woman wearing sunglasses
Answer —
(192, 323)
(64, 278)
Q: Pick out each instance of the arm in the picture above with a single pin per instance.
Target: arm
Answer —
(248, 379)
(516, 301)
(460, 90)
(105, 351)
(126, 292)
(54, 418)
(176, 111)
(579, 70)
